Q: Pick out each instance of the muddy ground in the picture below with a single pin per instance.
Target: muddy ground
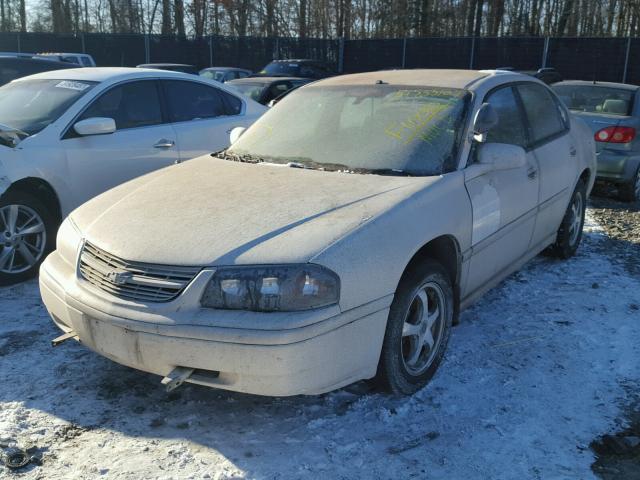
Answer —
(618, 453)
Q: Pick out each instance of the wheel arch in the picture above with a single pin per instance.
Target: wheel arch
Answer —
(42, 190)
(444, 249)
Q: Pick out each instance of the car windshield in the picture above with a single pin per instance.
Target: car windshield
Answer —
(384, 129)
(31, 105)
(596, 99)
(217, 75)
(281, 68)
(251, 90)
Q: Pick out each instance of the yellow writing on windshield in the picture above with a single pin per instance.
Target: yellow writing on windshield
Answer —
(415, 125)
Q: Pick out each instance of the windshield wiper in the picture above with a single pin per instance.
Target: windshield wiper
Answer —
(383, 171)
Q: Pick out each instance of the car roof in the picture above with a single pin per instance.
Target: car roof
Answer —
(265, 80)
(62, 53)
(422, 77)
(623, 86)
(227, 68)
(101, 74)
(143, 65)
(297, 60)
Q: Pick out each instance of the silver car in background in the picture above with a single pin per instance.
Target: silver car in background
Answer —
(612, 110)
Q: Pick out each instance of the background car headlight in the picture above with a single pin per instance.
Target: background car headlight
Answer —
(283, 288)
(68, 241)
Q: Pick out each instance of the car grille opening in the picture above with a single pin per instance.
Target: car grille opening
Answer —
(136, 281)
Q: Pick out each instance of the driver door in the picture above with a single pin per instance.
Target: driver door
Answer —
(141, 143)
(504, 202)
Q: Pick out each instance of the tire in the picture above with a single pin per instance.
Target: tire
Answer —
(22, 253)
(410, 357)
(630, 192)
(570, 231)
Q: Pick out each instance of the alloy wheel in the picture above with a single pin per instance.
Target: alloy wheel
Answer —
(423, 328)
(23, 238)
(575, 223)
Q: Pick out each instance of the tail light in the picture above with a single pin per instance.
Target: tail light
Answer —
(616, 135)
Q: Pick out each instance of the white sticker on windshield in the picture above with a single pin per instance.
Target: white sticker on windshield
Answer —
(71, 85)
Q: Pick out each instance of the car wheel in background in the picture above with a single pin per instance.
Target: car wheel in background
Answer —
(630, 192)
(570, 231)
(27, 234)
(418, 329)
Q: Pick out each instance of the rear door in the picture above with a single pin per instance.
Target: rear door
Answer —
(549, 138)
(142, 141)
(202, 116)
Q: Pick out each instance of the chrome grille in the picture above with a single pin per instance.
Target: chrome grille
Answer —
(142, 282)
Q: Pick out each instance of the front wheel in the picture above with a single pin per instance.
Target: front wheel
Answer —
(26, 236)
(570, 231)
(630, 192)
(418, 329)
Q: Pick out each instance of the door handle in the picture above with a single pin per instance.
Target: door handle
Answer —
(532, 173)
(572, 151)
(164, 143)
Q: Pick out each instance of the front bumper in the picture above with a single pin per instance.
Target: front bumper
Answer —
(286, 354)
(617, 167)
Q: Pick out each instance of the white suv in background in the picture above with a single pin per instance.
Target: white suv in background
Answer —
(68, 135)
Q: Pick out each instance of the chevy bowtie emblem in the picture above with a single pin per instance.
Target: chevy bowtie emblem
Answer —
(119, 278)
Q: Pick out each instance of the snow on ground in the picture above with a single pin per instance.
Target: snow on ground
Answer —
(536, 370)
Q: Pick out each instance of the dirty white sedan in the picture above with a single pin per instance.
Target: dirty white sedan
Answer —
(336, 240)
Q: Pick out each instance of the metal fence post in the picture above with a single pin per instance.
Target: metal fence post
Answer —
(84, 50)
(276, 49)
(473, 52)
(626, 61)
(147, 48)
(545, 52)
(341, 55)
(211, 50)
(404, 52)
(18, 35)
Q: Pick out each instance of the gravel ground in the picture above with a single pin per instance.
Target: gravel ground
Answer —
(618, 453)
(541, 380)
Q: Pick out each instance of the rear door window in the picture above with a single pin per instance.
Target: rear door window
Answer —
(188, 101)
(131, 105)
(544, 115)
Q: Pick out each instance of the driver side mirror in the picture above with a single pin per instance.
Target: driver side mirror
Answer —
(95, 126)
(486, 118)
(235, 134)
(502, 156)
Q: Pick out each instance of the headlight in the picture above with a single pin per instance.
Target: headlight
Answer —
(283, 288)
(68, 241)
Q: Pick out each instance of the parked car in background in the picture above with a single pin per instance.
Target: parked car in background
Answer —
(336, 240)
(20, 66)
(313, 69)
(280, 97)
(78, 59)
(548, 75)
(224, 74)
(68, 135)
(265, 89)
(612, 110)
(172, 67)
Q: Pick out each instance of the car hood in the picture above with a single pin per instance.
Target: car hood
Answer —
(216, 212)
